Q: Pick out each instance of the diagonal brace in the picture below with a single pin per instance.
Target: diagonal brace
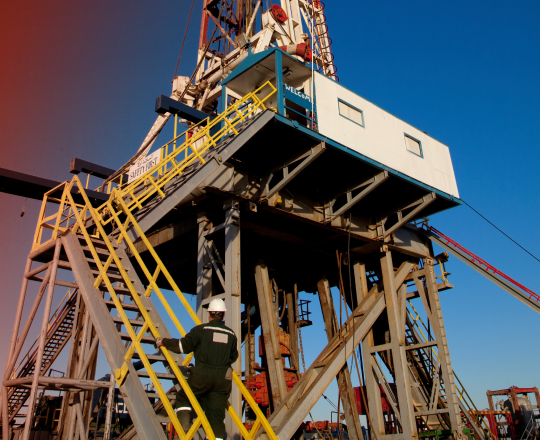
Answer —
(300, 400)
(372, 183)
(214, 262)
(425, 201)
(315, 153)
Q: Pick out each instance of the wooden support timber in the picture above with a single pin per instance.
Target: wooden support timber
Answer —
(232, 299)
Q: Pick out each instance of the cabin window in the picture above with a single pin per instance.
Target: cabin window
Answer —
(350, 112)
(413, 145)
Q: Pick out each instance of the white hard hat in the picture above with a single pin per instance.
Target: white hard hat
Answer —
(217, 305)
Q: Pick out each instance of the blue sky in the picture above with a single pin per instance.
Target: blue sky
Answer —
(80, 80)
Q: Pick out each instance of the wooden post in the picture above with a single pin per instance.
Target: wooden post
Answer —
(110, 403)
(434, 312)
(233, 302)
(204, 269)
(16, 325)
(293, 334)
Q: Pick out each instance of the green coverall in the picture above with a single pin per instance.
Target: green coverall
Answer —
(215, 348)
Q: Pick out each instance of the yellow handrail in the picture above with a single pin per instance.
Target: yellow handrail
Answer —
(164, 169)
(121, 312)
(170, 166)
(118, 213)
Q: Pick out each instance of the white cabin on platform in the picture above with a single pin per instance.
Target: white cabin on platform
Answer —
(361, 126)
(345, 118)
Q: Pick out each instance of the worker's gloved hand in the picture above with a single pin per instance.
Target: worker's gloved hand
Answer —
(169, 343)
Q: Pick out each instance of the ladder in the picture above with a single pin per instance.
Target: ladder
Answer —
(60, 326)
(415, 334)
(127, 322)
(530, 429)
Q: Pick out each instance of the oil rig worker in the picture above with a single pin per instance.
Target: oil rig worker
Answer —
(215, 348)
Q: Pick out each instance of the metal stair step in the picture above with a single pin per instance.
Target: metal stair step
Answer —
(136, 322)
(112, 276)
(111, 266)
(118, 289)
(99, 251)
(125, 306)
(94, 240)
(159, 375)
(123, 290)
(144, 339)
(156, 395)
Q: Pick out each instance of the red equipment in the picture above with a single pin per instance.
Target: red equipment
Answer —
(523, 416)
(278, 13)
(302, 50)
(258, 386)
(500, 423)
(361, 406)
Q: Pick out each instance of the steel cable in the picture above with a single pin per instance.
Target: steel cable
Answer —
(184, 40)
(502, 232)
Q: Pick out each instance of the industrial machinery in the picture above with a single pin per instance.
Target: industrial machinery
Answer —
(522, 420)
(512, 418)
(283, 182)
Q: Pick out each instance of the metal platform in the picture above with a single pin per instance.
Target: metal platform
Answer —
(320, 172)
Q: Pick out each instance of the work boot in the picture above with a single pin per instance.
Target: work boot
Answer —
(184, 417)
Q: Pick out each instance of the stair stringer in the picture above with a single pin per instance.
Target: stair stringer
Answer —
(29, 369)
(143, 415)
(421, 391)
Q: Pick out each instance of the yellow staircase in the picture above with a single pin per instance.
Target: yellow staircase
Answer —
(96, 238)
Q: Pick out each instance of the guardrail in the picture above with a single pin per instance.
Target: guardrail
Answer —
(174, 159)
